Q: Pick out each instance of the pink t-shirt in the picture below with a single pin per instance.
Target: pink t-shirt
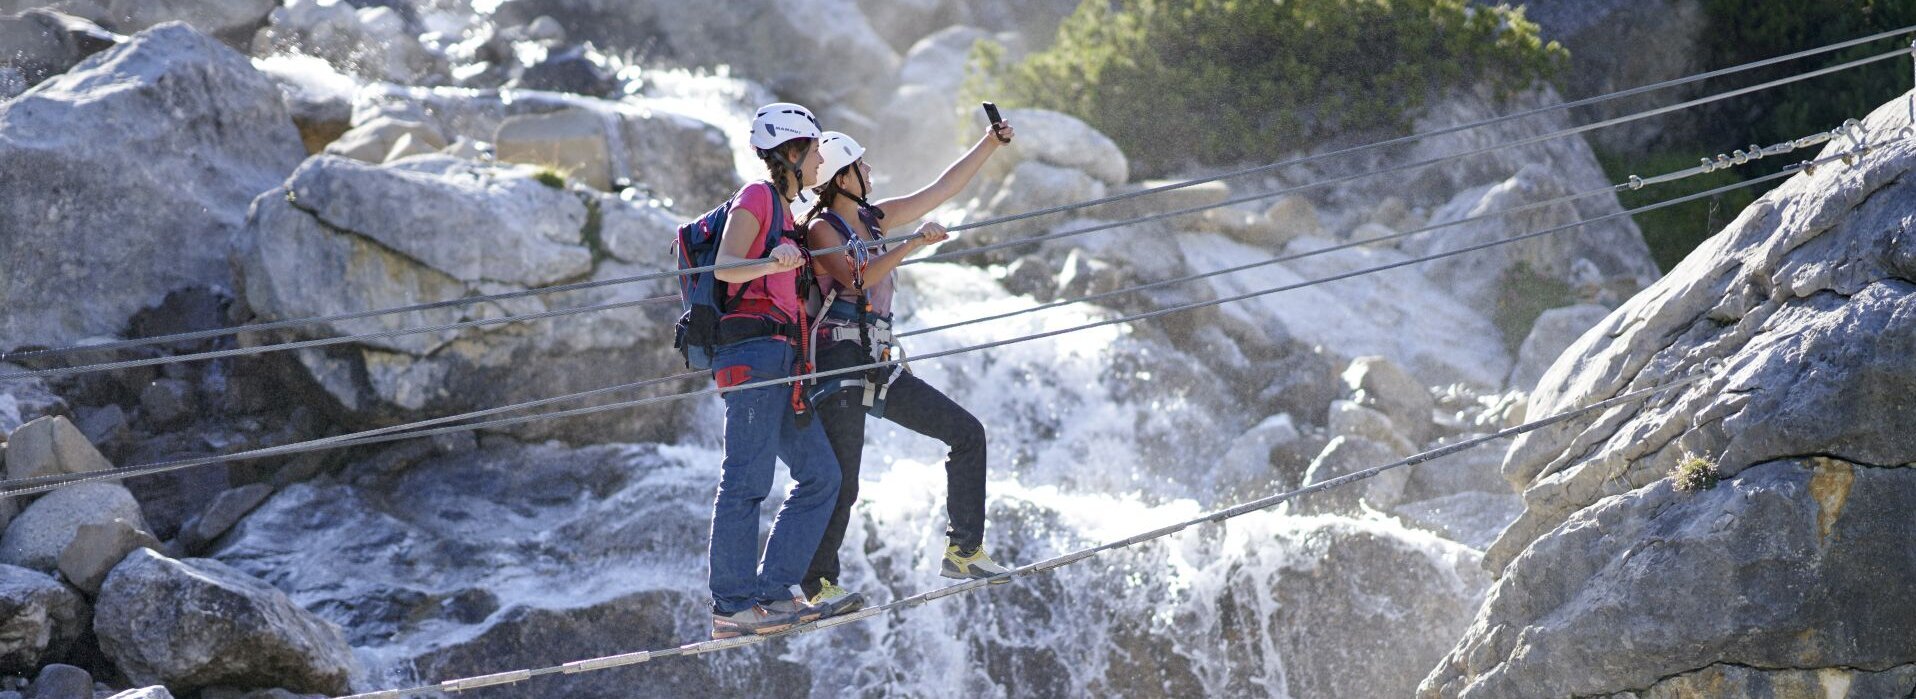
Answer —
(776, 294)
(877, 291)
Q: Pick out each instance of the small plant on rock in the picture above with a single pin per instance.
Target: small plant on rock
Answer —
(1695, 473)
(549, 176)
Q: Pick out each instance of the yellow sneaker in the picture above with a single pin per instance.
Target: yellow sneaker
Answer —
(835, 600)
(973, 565)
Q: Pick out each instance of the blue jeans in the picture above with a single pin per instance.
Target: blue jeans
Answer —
(759, 428)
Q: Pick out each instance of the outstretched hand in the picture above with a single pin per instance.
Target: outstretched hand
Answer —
(1002, 132)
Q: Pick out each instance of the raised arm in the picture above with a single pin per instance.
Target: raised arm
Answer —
(901, 211)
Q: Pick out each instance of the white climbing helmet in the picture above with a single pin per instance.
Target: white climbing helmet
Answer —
(838, 150)
(780, 122)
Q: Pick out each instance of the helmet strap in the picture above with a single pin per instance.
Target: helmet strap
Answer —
(866, 187)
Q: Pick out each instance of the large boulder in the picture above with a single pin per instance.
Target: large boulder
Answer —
(40, 619)
(198, 623)
(356, 236)
(571, 141)
(42, 43)
(1801, 315)
(108, 143)
(509, 230)
(1330, 607)
(1793, 564)
(374, 141)
(97, 548)
(661, 147)
(51, 446)
(36, 538)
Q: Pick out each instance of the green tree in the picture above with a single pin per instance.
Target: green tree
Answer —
(1177, 82)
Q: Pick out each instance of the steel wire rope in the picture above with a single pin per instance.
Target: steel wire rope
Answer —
(1020, 242)
(580, 286)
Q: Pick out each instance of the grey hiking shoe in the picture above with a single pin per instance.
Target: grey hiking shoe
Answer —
(796, 607)
(835, 600)
(755, 619)
(973, 565)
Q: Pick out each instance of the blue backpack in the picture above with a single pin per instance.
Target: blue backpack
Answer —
(703, 297)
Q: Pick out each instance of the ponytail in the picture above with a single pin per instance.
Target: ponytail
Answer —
(782, 169)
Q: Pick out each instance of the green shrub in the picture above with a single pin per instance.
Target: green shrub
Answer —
(1695, 473)
(1229, 81)
(1747, 30)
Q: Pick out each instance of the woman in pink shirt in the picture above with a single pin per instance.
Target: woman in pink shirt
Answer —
(758, 341)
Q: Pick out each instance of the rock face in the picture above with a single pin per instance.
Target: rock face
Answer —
(1789, 563)
(40, 619)
(437, 228)
(198, 623)
(108, 143)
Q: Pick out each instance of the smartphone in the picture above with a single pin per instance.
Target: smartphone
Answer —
(991, 112)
